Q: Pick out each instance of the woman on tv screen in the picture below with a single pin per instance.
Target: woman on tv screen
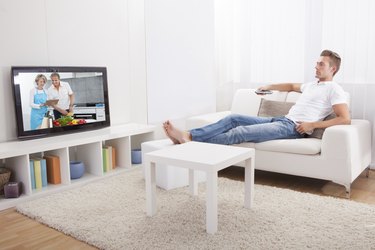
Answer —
(38, 98)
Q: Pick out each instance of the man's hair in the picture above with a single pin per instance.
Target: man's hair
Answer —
(334, 59)
(55, 74)
(40, 76)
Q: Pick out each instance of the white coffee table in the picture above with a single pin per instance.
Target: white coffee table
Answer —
(206, 157)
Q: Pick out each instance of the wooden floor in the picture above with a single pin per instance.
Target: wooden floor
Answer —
(19, 232)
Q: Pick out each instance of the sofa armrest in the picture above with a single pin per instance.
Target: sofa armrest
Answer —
(203, 120)
(343, 139)
(350, 142)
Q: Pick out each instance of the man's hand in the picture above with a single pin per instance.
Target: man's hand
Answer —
(263, 90)
(304, 127)
(267, 87)
(282, 87)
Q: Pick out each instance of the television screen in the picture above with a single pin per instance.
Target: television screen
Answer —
(52, 100)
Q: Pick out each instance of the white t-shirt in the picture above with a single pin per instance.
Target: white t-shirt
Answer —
(62, 94)
(316, 101)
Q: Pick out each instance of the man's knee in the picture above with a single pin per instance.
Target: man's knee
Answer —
(234, 117)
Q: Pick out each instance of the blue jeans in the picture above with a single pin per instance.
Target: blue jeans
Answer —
(235, 129)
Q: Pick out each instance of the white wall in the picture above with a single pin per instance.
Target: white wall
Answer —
(75, 33)
(180, 58)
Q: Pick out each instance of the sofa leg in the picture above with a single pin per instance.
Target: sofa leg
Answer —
(368, 171)
(347, 188)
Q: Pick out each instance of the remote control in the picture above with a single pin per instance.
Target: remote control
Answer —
(263, 92)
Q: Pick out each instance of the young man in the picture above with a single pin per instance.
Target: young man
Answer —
(318, 100)
(61, 91)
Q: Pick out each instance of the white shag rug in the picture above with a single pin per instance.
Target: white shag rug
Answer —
(110, 214)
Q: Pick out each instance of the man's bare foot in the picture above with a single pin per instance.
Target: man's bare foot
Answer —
(176, 134)
(165, 124)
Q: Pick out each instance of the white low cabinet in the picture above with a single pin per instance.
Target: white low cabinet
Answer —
(84, 146)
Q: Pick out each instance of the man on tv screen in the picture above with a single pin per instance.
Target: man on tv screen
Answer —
(63, 93)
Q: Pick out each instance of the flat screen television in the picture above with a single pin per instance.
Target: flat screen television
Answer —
(55, 100)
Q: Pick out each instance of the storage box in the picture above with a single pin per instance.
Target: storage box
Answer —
(12, 189)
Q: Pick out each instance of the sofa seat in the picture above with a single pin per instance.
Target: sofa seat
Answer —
(305, 146)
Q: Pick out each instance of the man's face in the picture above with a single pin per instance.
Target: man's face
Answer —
(323, 71)
(55, 81)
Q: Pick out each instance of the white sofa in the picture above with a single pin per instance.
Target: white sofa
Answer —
(340, 156)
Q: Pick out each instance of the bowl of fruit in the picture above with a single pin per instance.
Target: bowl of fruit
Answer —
(67, 121)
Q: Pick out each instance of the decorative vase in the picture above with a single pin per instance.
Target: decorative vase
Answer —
(77, 169)
(136, 156)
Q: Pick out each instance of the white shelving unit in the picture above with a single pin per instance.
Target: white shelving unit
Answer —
(84, 146)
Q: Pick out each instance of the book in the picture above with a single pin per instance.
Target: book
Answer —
(38, 174)
(109, 158)
(32, 175)
(53, 169)
(113, 157)
(105, 162)
(44, 172)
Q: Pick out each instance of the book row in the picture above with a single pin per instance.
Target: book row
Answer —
(44, 170)
(47, 169)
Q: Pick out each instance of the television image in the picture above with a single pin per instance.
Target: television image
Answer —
(56, 100)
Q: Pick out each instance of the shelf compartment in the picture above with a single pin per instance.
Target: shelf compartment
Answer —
(122, 146)
(20, 167)
(63, 155)
(91, 155)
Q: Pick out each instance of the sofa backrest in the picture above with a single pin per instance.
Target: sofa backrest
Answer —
(246, 102)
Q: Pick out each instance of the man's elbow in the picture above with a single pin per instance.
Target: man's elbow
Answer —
(346, 121)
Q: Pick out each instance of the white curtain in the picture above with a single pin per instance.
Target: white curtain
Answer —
(349, 27)
(257, 42)
(271, 41)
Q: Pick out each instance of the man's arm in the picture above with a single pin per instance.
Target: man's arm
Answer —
(62, 111)
(71, 103)
(283, 87)
(342, 118)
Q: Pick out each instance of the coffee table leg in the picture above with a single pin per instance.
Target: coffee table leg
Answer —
(150, 188)
(249, 182)
(211, 203)
(193, 182)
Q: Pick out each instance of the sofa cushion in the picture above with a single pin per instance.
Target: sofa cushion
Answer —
(306, 146)
(270, 108)
(318, 132)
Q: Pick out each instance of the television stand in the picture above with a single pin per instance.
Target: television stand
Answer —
(84, 146)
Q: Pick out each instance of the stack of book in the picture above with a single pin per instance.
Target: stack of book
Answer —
(38, 173)
(109, 158)
(44, 170)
